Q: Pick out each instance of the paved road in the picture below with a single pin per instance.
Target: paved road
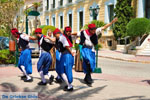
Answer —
(119, 81)
(124, 68)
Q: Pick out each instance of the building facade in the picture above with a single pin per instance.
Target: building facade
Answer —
(75, 13)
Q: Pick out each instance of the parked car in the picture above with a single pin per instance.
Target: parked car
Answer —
(4, 43)
(1, 38)
(33, 44)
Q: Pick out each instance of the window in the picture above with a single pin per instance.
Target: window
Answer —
(147, 9)
(70, 20)
(53, 5)
(61, 2)
(47, 7)
(47, 21)
(53, 20)
(61, 22)
(80, 20)
(69, 1)
(111, 13)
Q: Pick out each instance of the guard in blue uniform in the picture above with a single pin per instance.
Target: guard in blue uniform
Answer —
(67, 60)
(45, 59)
(88, 39)
(67, 33)
(88, 42)
(25, 63)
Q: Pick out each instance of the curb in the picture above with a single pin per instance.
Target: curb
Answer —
(145, 62)
(6, 65)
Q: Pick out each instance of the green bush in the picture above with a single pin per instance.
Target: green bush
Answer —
(137, 27)
(96, 22)
(3, 33)
(6, 57)
(76, 46)
(99, 46)
(46, 28)
(148, 29)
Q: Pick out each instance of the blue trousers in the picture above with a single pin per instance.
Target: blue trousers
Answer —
(65, 66)
(88, 57)
(25, 60)
(58, 56)
(44, 62)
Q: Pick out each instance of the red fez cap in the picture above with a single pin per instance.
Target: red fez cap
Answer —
(38, 30)
(92, 26)
(56, 31)
(68, 29)
(14, 31)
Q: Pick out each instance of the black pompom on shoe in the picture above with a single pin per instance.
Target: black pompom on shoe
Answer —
(58, 80)
(23, 77)
(28, 80)
(51, 79)
(41, 83)
(66, 88)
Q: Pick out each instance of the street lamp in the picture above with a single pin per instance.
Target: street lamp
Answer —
(94, 11)
(28, 13)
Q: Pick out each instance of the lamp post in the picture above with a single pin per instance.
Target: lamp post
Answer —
(17, 49)
(28, 13)
(94, 13)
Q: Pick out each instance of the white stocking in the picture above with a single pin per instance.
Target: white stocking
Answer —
(42, 77)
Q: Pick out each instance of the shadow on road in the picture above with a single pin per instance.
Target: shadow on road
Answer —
(148, 81)
(82, 81)
(45, 94)
(131, 97)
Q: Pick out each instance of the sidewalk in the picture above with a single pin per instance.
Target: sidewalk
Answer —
(105, 86)
(124, 57)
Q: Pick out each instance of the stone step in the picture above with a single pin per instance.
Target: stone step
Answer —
(142, 54)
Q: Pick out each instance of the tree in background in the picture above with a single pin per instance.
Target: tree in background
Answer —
(138, 27)
(124, 13)
(8, 12)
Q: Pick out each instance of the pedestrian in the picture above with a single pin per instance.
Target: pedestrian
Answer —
(52, 51)
(67, 33)
(64, 46)
(89, 39)
(25, 63)
(45, 59)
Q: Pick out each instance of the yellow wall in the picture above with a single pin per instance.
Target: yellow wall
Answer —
(86, 4)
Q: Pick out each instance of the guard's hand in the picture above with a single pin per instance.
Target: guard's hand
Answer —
(114, 20)
(73, 53)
